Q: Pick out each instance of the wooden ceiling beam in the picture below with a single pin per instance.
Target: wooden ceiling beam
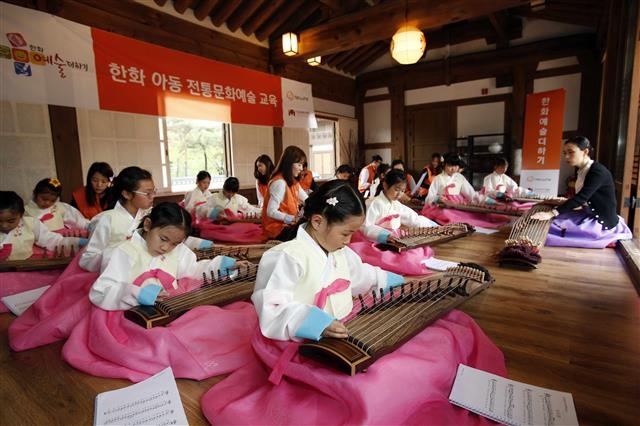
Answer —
(380, 22)
(181, 6)
(204, 8)
(259, 18)
(224, 11)
(337, 57)
(381, 49)
(243, 13)
(357, 54)
(500, 22)
(304, 11)
(160, 2)
(277, 19)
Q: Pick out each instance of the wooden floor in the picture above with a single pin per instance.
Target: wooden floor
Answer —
(571, 325)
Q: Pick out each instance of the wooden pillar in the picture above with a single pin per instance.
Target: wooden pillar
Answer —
(277, 144)
(522, 86)
(359, 158)
(398, 141)
(589, 95)
(66, 148)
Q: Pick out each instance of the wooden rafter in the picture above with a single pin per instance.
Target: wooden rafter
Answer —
(243, 13)
(276, 20)
(380, 22)
(204, 8)
(261, 16)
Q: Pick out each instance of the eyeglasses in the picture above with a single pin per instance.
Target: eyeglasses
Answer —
(149, 194)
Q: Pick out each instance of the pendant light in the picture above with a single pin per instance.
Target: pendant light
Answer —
(408, 43)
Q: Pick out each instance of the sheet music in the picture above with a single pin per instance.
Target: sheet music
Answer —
(19, 302)
(154, 401)
(511, 402)
(438, 264)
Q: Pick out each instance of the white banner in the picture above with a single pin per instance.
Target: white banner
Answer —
(541, 182)
(45, 59)
(297, 105)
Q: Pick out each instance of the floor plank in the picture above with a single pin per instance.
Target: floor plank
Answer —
(573, 324)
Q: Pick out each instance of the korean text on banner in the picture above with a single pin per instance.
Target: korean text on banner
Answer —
(542, 144)
(142, 78)
(45, 59)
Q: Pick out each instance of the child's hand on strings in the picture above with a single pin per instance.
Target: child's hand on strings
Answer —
(164, 294)
(336, 329)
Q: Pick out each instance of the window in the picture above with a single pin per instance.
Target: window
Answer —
(322, 142)
(188, 146)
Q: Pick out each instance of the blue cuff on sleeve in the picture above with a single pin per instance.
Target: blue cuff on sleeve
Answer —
(205, 244)
(383, 237)
(213, 214)
(83, 242)
(394, 279)
(500, 194)
(490, 201)
(226, 264)
(529, 193)
(148, 294)
(314, 324)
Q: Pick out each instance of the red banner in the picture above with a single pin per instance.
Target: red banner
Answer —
(542, 144)
(142, 78)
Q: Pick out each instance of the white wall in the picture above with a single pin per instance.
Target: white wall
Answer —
(480, 119)
(464, 90)
(26, 147)
(248, 143)
(122, 140)
(377, 122)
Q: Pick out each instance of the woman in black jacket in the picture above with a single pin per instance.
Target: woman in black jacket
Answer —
(589, 218)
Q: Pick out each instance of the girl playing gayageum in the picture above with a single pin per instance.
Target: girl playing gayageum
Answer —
(57, 216)
(24, 238)
(304, 290)
(152, 266)
(386, 215)
(589, 218)
(197, 198)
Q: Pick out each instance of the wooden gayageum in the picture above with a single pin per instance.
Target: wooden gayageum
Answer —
(572, 324)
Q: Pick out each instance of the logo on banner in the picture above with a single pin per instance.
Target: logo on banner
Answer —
(35, 55)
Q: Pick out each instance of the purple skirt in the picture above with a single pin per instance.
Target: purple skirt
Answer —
(580, 229)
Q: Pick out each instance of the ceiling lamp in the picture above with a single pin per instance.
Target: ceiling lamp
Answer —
(315, 61)
(290, 44)
(408, 43)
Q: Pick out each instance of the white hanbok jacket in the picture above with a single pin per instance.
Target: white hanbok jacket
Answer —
(31, 231)
(60, 215)
(397, 214)
(456, 184)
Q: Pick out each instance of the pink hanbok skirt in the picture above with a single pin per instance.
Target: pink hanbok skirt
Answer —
(238, 233)
(408, 262)
(411, 385)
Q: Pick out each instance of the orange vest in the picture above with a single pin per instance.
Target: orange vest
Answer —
(263, 190)
(289, 205)
(307, 180)
(424, 186)
(372, 174)
(81, 201)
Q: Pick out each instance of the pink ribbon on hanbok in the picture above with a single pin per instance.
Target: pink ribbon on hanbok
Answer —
(335, 287)
(165, 278)
(46, 217)
(498, 186)
(287, 354)
(231, 215)
(387, 219)
(446, 188)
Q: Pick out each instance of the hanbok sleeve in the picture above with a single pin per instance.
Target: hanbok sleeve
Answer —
(434, 191)
(245, 207)
(279, 314)
(98, 241)
(466, 189)
(46, 238)
(364, 276)
(488, 185)
(73, 218)
(409, 217)
(113, 290)
(369, 229)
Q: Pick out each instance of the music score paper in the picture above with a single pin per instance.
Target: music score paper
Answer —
(510, 402)
(154, 401)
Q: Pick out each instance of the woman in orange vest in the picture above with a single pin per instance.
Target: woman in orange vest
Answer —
(263, 167)
(95, 196)
(285, 196)
(365, 179)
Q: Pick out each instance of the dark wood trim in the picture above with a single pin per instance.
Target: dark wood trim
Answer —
(460, 102)
(278, 145)
(377, 98)
(477, 65)
(378, 145)
(66, 148)
(398, 140)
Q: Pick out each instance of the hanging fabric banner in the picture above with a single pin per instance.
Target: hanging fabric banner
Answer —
(49, 60)
(542, 144)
